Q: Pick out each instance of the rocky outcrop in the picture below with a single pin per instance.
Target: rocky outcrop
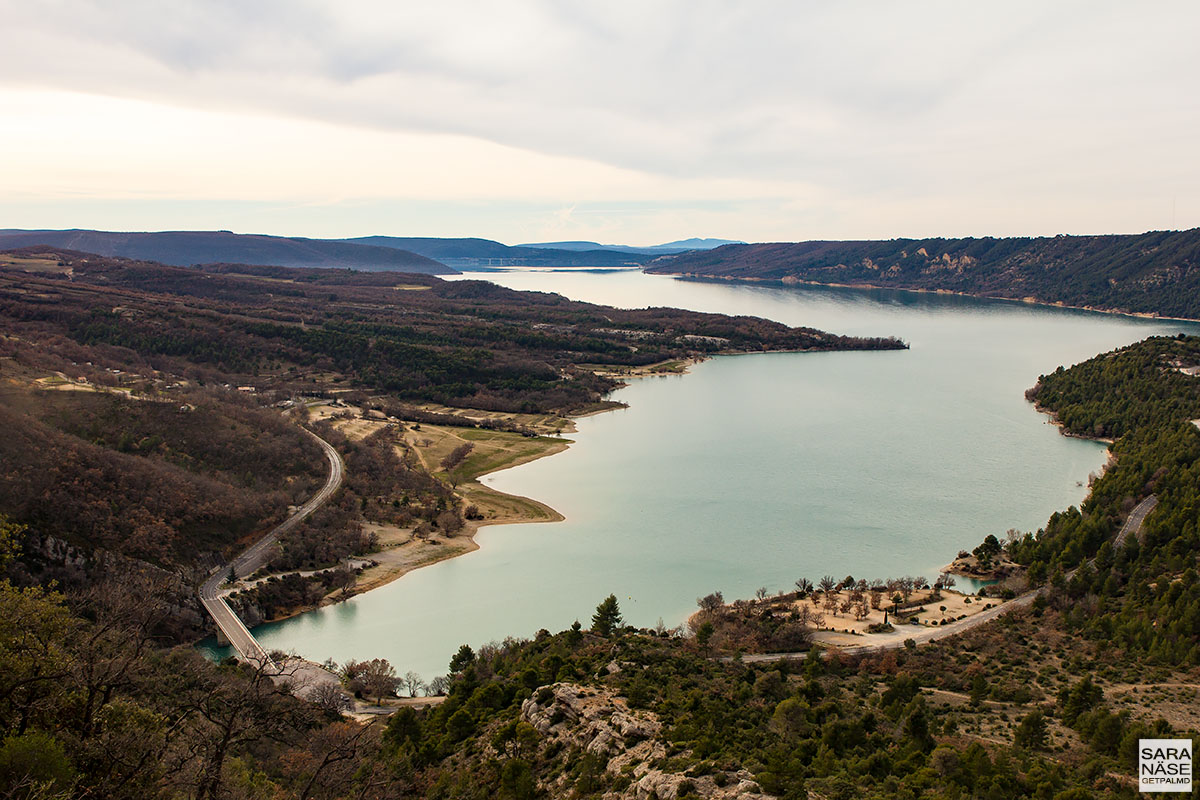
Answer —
(596, 721)
(591, 719)
(661, 785)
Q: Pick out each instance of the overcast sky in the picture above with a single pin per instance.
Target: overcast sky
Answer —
(625, 122)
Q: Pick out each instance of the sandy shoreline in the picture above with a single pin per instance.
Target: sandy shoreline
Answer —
(401, 553)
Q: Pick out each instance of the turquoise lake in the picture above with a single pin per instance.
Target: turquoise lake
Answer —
(756, 470)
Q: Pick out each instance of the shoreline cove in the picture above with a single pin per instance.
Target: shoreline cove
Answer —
(937, 504)
(465, 541)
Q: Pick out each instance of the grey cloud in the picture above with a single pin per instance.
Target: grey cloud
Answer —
(863, 93)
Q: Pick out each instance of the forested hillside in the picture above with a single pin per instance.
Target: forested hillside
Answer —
(465, 343)
(159, 481)
(1142, 599)
(1150, 273)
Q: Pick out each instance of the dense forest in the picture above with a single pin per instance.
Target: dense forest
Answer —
(162, 482)
(464, 343)
(1143, 598)
(1149, 273)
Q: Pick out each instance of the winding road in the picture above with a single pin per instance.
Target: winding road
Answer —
(1133, 524)
(254, 558)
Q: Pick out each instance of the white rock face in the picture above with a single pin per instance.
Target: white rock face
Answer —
(598, 722)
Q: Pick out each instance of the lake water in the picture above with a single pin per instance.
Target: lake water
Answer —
(756, 470)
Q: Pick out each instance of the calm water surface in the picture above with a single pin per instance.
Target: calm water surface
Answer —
(756, 470)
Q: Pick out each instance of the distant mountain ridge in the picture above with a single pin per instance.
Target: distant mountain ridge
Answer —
(424, 254)
(656, 250)
(1150, 273)
(185, 248)
(471, 253)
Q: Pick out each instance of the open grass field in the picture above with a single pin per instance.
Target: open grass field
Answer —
(33, 264)
(493, 451)
(546, 424)
(674, 366)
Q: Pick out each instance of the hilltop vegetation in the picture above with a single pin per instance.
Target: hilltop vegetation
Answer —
(611, 712)
(1149, 273)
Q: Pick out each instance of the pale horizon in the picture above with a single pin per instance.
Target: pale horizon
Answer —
(620, 124)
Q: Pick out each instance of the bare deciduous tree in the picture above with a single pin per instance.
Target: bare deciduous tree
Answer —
(330, 763)
(457, 456)
(375, 677)
(413, 683)
(344, 579)
(329, 696)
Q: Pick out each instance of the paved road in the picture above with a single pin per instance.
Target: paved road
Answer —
(1134, 523)
(922, 635)
(255, 557)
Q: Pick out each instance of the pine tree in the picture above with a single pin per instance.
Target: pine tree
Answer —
(1031, 733)
(607, 617)
(462, 659)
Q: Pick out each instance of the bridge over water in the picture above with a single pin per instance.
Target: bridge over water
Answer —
(230, 629)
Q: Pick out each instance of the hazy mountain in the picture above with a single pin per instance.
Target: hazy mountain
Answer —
(696, 244)
(184, 248)
(484, 253)
(654, 250)
(373, 253)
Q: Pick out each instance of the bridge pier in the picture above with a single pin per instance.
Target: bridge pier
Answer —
(222, 639)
